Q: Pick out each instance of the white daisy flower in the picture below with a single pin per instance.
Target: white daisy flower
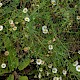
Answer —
(54, 70)
(50, 47)
(39, 76)
(11, 22)
(53, 2)
(44, 27)
(79, 52)
(15, 28)
(56, 78)
(27, 19)
(1, 27)
(3, 65)
(40, 69)
(78, 68)
(38, 61)
(78, 17)
(45, 31)
(25, 10)
(50, 66)
(64, 72)
(1, 4)
(75, 63)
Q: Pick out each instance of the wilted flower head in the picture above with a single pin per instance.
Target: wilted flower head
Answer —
(26, 49)
(32, 60)
(49, 42)
(50, 66)
(6, 53)
(47, 73)
(43, 62)
(54, 39)
(15, 28)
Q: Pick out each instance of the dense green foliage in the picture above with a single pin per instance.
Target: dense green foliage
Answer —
(26, 42)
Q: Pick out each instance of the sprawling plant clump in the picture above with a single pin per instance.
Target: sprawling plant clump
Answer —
(39, 39)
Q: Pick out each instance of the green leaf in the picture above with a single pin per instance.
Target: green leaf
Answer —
(2, 71)
(11, 77)
(23, 64)
(12, 59)
(23, 78)
(16, 1)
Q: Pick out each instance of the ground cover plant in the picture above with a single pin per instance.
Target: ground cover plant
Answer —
(39, 39)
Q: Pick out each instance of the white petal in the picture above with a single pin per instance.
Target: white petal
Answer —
(1, 27)
(3, 65)
(78, 68)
